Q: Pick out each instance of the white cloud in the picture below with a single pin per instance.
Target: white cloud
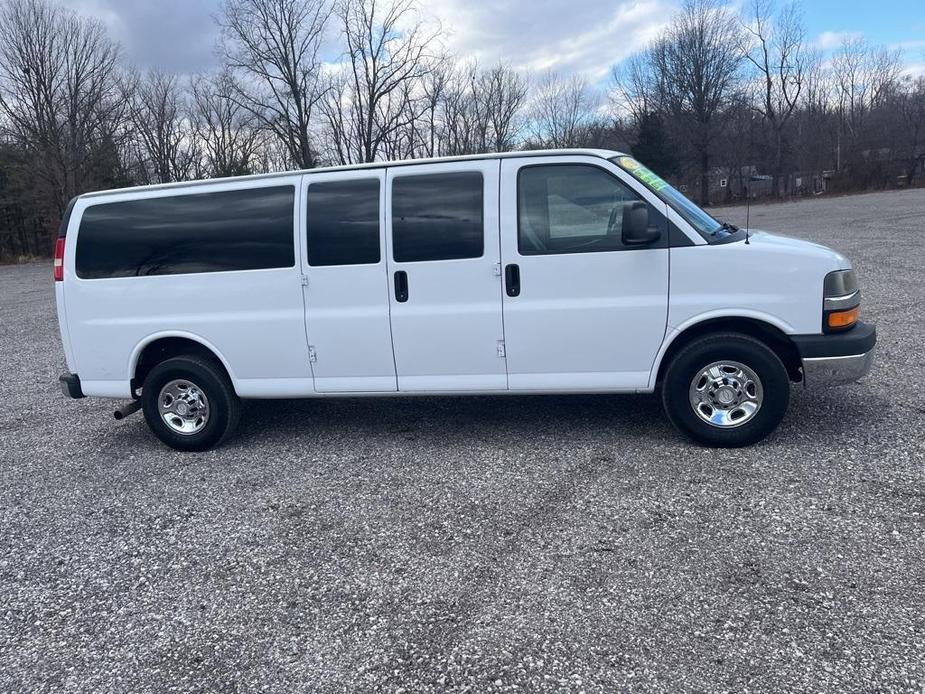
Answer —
(909, 45)
(563, 35)
(828, 40)
(175, 35)
(584, 36)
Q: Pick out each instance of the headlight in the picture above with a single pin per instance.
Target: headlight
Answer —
(840, 283)
(841, 301)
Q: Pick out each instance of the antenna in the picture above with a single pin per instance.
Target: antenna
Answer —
(748, 205)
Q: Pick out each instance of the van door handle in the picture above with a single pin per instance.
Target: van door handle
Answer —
(401, 286)
(512, 279)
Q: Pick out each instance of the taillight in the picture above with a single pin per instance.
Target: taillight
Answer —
(59, 259)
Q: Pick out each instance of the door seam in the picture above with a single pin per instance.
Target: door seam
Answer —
(301, 248)
(507, 373)
(387, 250)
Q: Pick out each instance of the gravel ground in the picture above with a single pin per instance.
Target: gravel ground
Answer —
(484, 544)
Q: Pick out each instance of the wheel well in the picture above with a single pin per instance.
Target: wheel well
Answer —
(773, 337)
(165, 348)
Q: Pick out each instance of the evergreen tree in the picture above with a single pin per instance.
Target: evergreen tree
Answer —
(652, 147)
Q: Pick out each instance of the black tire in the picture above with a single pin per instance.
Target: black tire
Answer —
(693, 358)
(223, 403)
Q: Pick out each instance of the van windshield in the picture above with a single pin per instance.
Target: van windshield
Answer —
(705, 225)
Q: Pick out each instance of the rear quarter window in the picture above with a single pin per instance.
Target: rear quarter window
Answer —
(247, 229)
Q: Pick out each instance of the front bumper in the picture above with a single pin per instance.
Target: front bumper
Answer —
(836, 371)
(837, 358)
(70, 385)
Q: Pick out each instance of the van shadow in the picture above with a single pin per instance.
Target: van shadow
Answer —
(441, 420)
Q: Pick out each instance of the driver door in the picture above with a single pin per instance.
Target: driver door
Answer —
(581, 310)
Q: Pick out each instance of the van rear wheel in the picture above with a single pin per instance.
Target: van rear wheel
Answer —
(726, 390)
(189, 403)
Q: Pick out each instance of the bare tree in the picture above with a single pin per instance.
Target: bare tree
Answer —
(271, 155)
(777, 52)
(562, 108)
(402, 141)
(472, 110)
(161, 123)
(274, 48)
(910, 107)
(713, 90)
(455, 130)
(813, 126)
(229, 133)
(863, 77)
(389, 50)
(58, 94)
(341, 135)
(697, 63)
(635, 90)
(434, 87)
(500, 93)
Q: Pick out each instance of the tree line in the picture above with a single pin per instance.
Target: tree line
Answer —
(723, 103)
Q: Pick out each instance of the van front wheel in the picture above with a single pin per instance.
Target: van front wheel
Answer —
(189, 403)
(726, 390)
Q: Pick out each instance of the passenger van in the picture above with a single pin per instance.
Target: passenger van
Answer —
(568, 271)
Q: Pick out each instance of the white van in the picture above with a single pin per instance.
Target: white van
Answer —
(568, 271)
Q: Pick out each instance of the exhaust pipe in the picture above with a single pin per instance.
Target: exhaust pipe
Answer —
(127, 409)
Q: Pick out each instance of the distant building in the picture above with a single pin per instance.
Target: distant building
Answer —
(727, 184)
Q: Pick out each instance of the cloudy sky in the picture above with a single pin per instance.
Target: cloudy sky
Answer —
(568, 35)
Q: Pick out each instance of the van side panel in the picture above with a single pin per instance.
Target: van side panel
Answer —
(252, 318)
(763, 280)
(771, 279)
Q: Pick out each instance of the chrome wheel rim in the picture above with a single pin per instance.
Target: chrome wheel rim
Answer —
(183, 407)
(726, 394)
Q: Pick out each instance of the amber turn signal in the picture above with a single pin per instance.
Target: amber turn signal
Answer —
(840, 320)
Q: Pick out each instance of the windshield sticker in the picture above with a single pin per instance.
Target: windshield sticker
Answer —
(647, 176)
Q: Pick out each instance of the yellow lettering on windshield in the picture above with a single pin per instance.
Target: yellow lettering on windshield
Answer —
(647, 176)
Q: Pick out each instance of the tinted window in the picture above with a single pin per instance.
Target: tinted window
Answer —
(568, 208)
(437, 217)
(343, 222)
(206, 232)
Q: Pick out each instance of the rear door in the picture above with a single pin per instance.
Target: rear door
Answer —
(582, 311)
(347, 295)
(444, 275)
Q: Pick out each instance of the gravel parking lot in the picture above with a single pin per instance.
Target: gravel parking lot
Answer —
(484, 544)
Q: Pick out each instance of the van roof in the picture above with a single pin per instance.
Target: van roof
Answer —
(602, 153)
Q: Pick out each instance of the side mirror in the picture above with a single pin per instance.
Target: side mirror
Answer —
(635, 227)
